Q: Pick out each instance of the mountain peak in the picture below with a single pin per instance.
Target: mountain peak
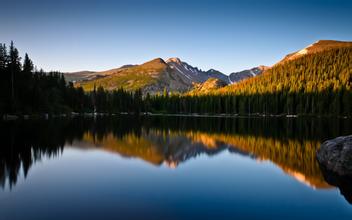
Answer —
(212, 71)
(156, 61)
(329, 42)
(174, 60)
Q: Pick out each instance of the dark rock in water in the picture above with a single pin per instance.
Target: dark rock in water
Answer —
(336, 155)
(335, 160)
(344, 183)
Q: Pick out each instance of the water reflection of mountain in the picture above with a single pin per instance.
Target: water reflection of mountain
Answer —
(296, 158)
(153, 146)
(288, 143)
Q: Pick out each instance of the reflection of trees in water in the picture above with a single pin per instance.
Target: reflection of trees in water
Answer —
(290, 143)
(23, 144)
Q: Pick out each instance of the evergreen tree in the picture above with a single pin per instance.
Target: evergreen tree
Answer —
(27, 64)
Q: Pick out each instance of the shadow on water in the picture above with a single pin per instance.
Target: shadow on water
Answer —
(288, 143)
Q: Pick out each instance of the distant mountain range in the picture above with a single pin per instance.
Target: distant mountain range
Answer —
(152, 76)
(175, 75)
(156, 75)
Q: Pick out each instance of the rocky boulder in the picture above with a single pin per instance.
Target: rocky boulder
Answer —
(335, 160)
(336, 155)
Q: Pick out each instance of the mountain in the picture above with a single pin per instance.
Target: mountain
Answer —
(189, 73)
(238, 76)
(218, 75)
(153, 76)
(193, 74)
(319, 46)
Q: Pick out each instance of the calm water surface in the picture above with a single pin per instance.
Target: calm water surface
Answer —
(169, 168)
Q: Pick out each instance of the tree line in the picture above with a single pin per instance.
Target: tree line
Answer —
(26, 90)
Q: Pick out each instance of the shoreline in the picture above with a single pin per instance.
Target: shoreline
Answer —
(13, 117)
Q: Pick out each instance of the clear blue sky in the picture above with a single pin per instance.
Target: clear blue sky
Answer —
(225, 35)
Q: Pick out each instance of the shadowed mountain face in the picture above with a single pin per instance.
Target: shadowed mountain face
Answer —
(193, 74)
(238, 76)
(172, 141)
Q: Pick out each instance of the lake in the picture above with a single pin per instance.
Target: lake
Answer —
(169, 168)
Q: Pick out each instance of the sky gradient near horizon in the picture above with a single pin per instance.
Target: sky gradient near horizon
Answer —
(225, 35)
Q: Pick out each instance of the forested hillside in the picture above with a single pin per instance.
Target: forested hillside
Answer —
(318, 83)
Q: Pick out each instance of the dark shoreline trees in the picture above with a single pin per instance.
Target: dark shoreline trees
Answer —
(24, 90)
(280, 103)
